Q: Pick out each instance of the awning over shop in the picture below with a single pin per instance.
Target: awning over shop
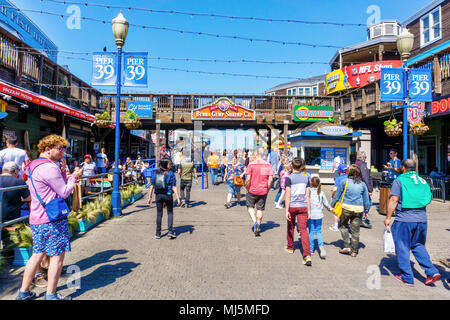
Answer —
(33, 97)
(428, 53)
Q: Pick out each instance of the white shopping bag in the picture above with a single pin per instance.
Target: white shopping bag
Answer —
(388, 241)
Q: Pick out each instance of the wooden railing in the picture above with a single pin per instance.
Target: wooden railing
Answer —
(269, 107)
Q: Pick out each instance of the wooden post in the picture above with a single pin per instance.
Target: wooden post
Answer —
(380, 52)
(55, 81)
(273, 107)
(171, 108)
(41, 72)
(158, 129)
(377, 97)
(342, 110)
(285, 138)
(269, 140)
(364, 101)
(437, 76)
(352, 105)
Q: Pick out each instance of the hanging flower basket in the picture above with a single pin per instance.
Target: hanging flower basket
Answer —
(419, 129)
(393, 132)
(130, 124)
(103, 123)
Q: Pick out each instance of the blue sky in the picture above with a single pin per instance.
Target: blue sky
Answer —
(93, 36)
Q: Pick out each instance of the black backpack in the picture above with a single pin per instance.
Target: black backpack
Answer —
(160, 181)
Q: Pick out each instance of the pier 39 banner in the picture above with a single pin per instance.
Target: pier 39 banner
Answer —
(223, 109)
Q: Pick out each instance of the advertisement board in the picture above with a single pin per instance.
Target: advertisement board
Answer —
(327, 155)
(104, 65)
(439, 107)
(223, 109)
(313, 113)
(135, 69)
(358, 75)
(143, 109)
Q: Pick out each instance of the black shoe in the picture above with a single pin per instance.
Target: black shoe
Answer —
(183, 203)
(188, 205)
(257, 230)
(172, 235)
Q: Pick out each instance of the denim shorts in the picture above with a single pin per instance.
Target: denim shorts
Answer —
(232, 189)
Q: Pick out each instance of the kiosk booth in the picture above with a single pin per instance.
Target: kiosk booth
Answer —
(319, 144)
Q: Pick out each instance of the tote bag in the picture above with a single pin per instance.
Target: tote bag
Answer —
(388, 241)
(337, 210)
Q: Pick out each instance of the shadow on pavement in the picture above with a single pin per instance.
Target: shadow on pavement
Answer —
(103, 276)
(340, 244)
(134, 211)
(197, 203)
(184, 229)
(268, 225)
(99, 258)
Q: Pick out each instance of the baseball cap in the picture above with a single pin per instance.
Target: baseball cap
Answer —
(87, 156)
(342, 167)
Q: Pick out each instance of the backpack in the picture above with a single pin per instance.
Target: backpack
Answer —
(160, 181)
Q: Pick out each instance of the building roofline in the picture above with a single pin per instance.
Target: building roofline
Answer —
(423, 11)
(307, 81)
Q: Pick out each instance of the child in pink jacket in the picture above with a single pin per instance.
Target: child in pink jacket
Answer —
(284, 174)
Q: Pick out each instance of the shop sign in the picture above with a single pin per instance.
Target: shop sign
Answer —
(223, 109)
(139, 133)
(335, 130)
(440, 107)
(358, 75)
(392, 85)
(416, 114)
(143, 109)
(313, 113)
(327, 155)
(104, 71)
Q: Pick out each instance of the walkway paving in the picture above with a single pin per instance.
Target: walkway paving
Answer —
(216, 256)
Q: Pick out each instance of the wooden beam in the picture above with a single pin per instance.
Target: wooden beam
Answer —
(171, 108)
(437, 76)
(342, 110)
(275, 130)
(377, 97)
(352, 105)
(285, 140)
(380, 52)
(364, 101)
(157, 133)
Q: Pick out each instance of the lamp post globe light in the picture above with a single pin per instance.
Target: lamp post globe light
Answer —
(120, 31)
(405, 43)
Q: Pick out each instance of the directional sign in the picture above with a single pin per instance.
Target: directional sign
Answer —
(420, 85)
(143, 109)
(135, 65)
(392, 84)
(104, 71)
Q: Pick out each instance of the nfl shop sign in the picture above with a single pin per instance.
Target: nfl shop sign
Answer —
(440, 106)
(223, 109)
(358, 75)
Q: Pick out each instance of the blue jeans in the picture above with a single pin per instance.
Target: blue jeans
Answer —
(277, 197)
(315, 228)
(213, 175)
(101, 170)
(411, 236)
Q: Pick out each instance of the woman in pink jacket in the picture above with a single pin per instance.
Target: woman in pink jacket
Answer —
(284, 174)
(50, 238)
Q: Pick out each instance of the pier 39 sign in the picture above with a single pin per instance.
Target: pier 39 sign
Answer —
(223, 109)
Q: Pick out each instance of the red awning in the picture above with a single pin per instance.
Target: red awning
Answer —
(33, 97)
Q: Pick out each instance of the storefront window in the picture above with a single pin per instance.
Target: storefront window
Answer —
(312, 156)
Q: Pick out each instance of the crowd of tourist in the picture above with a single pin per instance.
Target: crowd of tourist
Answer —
(50, 180)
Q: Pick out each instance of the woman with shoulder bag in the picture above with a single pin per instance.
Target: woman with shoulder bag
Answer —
(164, 183)
(354, 196)
(234, 176)
(48, 214)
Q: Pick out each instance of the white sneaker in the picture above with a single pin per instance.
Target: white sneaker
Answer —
(333, 228)
(322, 253)
(278, 206)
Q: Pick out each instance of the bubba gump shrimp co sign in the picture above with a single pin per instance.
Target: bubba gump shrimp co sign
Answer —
(223, 109)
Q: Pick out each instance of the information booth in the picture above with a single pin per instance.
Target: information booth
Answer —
(319, 144)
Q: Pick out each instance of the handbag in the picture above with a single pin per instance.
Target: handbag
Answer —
(337, 210)
(238, 181)
(388, 241)
(56, 209)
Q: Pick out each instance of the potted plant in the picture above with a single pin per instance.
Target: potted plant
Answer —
(92, 213)
(419, 128)
(136, 192)
(393, 128)
(22, 242)
(131, 120)
(125, 196)
(102, 120)
(73, 223)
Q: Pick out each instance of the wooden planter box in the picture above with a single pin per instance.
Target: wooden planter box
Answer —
(126, 203)
(21, 256)
(85, 225)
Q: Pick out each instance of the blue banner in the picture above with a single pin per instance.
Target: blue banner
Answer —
(420, 85)
(104, 71)
(392, 84)
(135, 69)
(143, 109)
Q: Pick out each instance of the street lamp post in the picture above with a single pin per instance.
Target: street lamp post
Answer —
(120, 31)
(405, 43)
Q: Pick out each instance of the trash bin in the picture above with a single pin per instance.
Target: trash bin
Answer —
(385, 191)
